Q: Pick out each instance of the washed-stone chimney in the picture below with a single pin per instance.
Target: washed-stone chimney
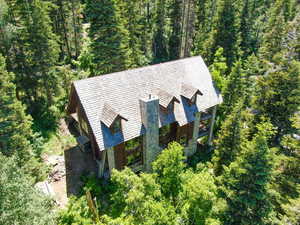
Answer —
(149, 114)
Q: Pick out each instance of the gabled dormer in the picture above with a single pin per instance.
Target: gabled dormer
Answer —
(166, 101)
(190, 93)
(112, 119)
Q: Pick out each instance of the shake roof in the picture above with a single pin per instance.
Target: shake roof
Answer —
(189, 91)
(109, 115)
(165, 98)
(105, 97)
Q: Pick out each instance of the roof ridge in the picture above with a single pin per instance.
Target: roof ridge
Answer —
(139, 68)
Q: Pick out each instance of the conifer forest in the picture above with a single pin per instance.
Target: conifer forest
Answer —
(251, 173)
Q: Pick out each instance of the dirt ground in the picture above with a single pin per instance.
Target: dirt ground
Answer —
(77, 164)
(67, 170)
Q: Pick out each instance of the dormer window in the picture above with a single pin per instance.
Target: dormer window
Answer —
(190, 93)
(116, 126)
(193, 100)
(169, 109)
(166, 101)
(111, 119)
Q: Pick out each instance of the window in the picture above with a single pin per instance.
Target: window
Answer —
(192, 101)
(183, 140)
(165, 130)
(133, 151)
(165, 135)
(169, 109)
(116, 126)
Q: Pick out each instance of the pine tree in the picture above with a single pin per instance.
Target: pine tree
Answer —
(274, 32)
(278, 95)
(20, 202)
(225, 32)
(160, 49)
(205, 18)
(36, 51)
(109, 38)
(176, 33)
(246, 182)
(234, 87)
(133, 22)
(232, 136)
(15, 125)
(218, 69)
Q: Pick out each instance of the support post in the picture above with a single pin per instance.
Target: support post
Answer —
(192, 147)
(211, 127)
(111, 159)
(101, 164)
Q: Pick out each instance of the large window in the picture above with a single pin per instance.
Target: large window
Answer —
(165, 135)
(133, 151)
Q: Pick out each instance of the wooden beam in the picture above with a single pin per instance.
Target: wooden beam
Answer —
(211, 127)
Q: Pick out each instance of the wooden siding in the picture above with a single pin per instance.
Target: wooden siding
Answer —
(185, 130)
(120, 157)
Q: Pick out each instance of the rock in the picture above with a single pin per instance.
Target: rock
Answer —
(45, 188)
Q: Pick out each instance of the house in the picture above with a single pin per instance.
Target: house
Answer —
(128, 117)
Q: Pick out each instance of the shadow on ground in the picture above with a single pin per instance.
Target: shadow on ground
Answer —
(77, 164)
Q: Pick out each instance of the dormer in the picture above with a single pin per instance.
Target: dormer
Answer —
(111, 119)
(166, 101)
(190, 93)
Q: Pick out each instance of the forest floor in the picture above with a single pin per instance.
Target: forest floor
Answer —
(68, 164)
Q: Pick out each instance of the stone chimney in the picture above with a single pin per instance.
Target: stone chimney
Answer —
(149, 114)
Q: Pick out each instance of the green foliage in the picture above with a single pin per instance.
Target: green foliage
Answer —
(175, 37)
(139, 199)
(168, 167)
(199, 201)
(232, 136)
(78, 212)
(160, 42)
(234, 88)
(218, 70)
(109, 37)
(20, 203)
(15, 125)
(225, 32)
(278, 95)
(246, 183)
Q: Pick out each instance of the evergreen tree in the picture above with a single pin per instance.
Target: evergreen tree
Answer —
(15, 125)
(205, 14)
(160, 41)
(20, 203)
(37, 53)
(246, 183)
(232, 136)
(234, 88)
(176, 33)
(272, 41)
(225, 32)
(109, 38)
(278, 95)
(133, 22)
(218, 69)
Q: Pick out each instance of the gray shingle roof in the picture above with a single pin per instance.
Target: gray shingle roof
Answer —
(165, 98)
(122, 90)
(189, 91)
(109, 114)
